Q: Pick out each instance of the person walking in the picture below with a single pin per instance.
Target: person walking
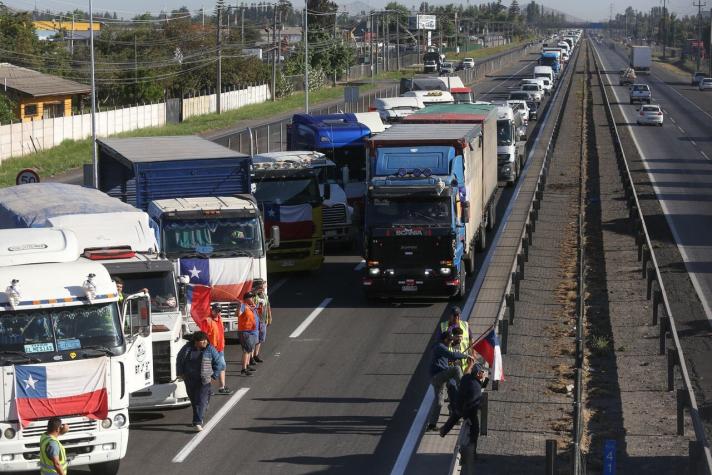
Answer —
(441, 372)
(248, 331)
(198, 363)
(467, 403)
(214, 328)
(53, 457)
(264, 312)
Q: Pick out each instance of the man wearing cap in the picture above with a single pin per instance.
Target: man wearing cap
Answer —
(454, 321)
(247, 330)
(264, 312)
(441, 372)
(214, 328)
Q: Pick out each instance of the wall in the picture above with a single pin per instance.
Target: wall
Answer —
(229, 100)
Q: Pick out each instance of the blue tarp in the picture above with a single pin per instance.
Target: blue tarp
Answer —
(33, 204)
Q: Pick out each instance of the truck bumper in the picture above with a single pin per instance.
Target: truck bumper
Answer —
(505, 172)
(405, 287)
(338, 234)
(159, 396)
(84, 447)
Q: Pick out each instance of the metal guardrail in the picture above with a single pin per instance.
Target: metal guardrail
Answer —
(511, 293)
(699, 449)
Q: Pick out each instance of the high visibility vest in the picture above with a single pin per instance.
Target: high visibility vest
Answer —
(46, 464)
(444, 326)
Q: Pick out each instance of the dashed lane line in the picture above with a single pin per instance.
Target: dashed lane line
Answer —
(360, 266)
(312, 316)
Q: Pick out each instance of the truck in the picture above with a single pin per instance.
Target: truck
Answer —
(511, 153)
(197, 194)
(430, 201)
(551, 59)
(119, 237)
(463, 95)
(545, 72)
(59, 315)
(640, 59)
(393, 109)
(287, 191)
(342, 138)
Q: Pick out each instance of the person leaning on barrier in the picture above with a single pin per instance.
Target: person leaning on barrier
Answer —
(467, 402)
(441, 372)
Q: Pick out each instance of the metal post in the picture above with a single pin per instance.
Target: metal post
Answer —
(484, 412)
(306, 56)
(504, 334)
(398, 58)
(274, 52)
(95, 160)
(551, 446)
(699, 6)
(671, 362)
(218, 40)
(242, 25)
(681, 403)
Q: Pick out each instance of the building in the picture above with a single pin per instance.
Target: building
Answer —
(38, 95)
(65, 30)
(288, 34)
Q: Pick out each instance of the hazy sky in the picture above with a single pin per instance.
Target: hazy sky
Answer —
(586, 9)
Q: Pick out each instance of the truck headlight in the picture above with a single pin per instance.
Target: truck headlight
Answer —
(119, 420)
(9, 433)
(506, 169)
(445, 271)
(374, 271)
(106, 423)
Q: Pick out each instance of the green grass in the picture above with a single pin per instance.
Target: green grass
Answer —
(73, 154)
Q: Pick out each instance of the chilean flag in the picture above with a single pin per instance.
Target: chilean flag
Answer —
(64, 388)
(294, 221)
(198, 303)
(227, 278)
(487, 345)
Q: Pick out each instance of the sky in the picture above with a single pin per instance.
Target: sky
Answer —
(594, 10)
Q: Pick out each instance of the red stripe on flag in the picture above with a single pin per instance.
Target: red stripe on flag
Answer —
(291, 231)
(94, 405)
(230, 292)
(484, 348)
(200, 303)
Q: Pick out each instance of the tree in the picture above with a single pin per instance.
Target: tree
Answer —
(514, 10)
(7, 110)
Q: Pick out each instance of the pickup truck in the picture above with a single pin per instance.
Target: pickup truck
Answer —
(640, 93)
(626, 77)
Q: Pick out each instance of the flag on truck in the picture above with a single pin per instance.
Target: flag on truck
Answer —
(487, 345)
(76, 387)
(198, 303)
(294, 221)
(228, 278)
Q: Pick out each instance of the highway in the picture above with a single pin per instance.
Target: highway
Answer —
(678, 158)
(341, 382)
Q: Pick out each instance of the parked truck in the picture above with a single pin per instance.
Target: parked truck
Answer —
(429, 203)
(119, 237)
(641, 59)
(197, 194)
(551, 59)
(60, 315)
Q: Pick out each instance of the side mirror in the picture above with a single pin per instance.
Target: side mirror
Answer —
(345, 175)
(465, 212)
(327, 191)
(274, 242)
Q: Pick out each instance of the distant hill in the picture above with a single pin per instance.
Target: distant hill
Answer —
(568, 17)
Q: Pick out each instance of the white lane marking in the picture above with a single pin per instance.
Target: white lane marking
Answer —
(671, 119)
(360, 266)
(413, 436)
(693, 142)
(312, 316)
(681, 129)
(704, 155)
(198, 438)
(663, 204)
(274, 288)
(683, 96)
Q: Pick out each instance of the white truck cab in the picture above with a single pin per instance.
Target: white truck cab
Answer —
(57, 310)
(431, 97)
(510, 147)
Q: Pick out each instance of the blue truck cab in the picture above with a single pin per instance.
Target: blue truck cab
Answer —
(419, 221)
(551, 59)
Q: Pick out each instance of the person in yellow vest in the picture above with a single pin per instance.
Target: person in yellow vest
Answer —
(53, 458)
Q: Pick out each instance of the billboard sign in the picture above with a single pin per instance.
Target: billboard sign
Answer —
(422, 22)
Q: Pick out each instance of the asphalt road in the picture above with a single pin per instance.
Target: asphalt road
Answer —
(678, 157)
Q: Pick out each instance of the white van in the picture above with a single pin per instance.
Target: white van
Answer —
(393, 109)
(544, 72)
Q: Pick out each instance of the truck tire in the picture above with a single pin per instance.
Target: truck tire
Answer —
(462, 289)
(105, 468)
(491, 217)
(482, 239)
(469, 262)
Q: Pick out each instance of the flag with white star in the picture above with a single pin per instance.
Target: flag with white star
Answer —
(228, 277)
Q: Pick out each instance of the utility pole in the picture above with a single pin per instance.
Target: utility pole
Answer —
(370, 43)
(664, 28)
(375, 18)
(699, 6)
(72, 40)
(95, 161)
(335, 20)
(218, 40)
(274, 52)
(135, 60)
(242, 25)
(306, 56)
(398, 61)
(457, 29)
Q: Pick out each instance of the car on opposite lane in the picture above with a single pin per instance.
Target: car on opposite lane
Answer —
(696, 78)
(705, 83)
(650, 114)
(468, 63)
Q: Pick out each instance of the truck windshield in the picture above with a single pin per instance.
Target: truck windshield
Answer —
(548, 61)
(462, 97)
(504, 133)
(289, 191)
(212, 237)
(161, 287)
(327, 175)
(40, 332)
(352, 157)
(409, 211)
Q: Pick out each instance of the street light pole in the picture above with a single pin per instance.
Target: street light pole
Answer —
(306, 56)
(95, 161)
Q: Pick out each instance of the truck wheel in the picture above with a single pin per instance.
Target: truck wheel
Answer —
(491, 217)
(462, 289)
(482, 240)
(105, 468)
(469, 261)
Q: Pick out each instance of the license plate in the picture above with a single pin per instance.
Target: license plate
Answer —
(287, 263)
(409, 288)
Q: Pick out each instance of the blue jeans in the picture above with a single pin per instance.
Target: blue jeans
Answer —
(199, 395)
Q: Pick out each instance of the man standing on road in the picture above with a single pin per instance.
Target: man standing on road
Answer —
(461, 339)
(198, 363)
(468, 403)
(214, 328)
(53, 458)
(265, 314)
(441, 372)
(248, 331)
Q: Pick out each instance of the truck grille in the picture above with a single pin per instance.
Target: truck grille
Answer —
(228, 309)
(162, 362)
(38, 428)
(334, 215)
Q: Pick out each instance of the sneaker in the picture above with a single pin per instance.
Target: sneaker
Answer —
(250, 368)
(431, 427)
(244, 372)
(198, 428)
(258, 359)
(225, 390)
(253, 362)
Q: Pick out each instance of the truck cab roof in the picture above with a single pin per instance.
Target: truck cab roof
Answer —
(296, 158)
(332, 130)
(36, 246)
(203, 205)
(415, 134)
(165, 149)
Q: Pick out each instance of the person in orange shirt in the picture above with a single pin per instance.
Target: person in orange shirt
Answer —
(213, 327)
(248, 330)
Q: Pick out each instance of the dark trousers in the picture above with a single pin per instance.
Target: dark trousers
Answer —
(199, 395)
(472, 417)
